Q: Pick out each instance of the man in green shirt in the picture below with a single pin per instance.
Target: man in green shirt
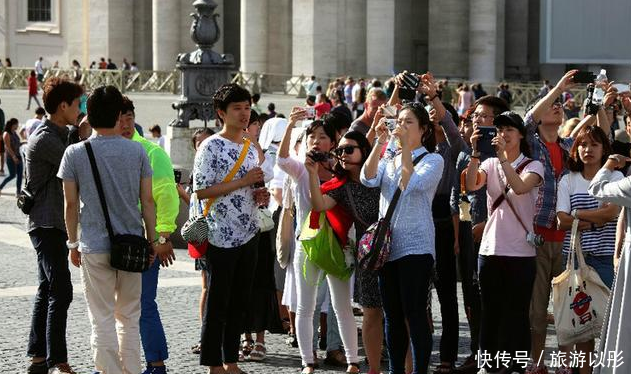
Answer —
(167, 208)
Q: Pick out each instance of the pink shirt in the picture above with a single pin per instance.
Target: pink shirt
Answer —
(503, 234)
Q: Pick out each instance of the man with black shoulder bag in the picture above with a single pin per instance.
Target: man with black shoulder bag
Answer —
(103, 180)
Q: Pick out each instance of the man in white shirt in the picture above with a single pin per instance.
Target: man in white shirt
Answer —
(33, 123)
(310, 86)
(39, 69)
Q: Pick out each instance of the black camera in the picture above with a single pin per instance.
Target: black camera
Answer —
(319, 156)
(408, 89)
(178, 175)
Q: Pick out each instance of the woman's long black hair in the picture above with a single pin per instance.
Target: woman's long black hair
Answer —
(364, 147)
(428, 139)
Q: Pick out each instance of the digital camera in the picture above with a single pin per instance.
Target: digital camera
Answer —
(391, 123)
(319, 156)
(535, 239)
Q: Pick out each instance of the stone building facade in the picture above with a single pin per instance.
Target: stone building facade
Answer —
(478, 40)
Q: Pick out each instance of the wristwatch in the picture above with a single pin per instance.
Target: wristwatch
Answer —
(162, 240)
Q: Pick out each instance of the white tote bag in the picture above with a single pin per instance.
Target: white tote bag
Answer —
(580, 298)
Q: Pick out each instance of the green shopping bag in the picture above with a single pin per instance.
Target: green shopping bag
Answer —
(323, 249)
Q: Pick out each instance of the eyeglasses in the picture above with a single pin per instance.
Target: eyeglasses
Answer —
(482, 116)
(349, 150)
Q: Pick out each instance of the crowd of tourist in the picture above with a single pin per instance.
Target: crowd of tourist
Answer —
(369, 195)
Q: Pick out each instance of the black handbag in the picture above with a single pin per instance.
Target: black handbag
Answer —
(25, 200)
(128, 252)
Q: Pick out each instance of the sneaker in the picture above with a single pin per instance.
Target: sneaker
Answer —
(155, 369)
(532, 369)
(61, 369)
(291, 340)
(37, 368)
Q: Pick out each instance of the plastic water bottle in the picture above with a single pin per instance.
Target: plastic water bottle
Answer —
(599, 90)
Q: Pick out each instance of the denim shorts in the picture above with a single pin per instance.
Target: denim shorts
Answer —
(602, 264)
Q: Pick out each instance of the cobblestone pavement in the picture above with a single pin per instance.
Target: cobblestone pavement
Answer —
(177, 298)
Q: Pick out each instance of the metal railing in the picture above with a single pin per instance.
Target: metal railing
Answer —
(124, 80)
(169, 82)
(523, 93)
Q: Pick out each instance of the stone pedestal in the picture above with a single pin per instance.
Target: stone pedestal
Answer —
(178, 146)
(199, 83)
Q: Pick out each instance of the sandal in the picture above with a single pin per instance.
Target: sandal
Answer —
(258, 353)
(197, 348)
(246, 349)
(444, 369)
(291, 341)
(308, 366)
(356, 366)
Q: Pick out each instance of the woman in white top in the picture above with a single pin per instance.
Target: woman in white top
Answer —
(320, 138)
(465, 99)
(597, 221)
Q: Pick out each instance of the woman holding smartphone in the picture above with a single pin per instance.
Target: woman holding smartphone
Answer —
(507, 266)
(404, 279)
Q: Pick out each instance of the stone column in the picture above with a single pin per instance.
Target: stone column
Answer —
(254, 34)
(314, 42)
(166, 33)
(380, 37)
(516, 40)
(448, 45)
(486, 40)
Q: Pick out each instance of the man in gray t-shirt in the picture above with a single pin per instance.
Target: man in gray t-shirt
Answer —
(121, 164)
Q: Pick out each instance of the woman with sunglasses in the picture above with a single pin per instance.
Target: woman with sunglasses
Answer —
(320, 140)
(360, 206)
(404, 279)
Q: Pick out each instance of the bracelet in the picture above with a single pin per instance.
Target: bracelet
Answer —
(74, 245)
(432, 98)
(503, 161)
(475, 154)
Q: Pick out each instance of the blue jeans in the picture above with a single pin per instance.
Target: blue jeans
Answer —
(602, 264)
(154, 342)
(54, 295)
(404, 285)
(15, 170)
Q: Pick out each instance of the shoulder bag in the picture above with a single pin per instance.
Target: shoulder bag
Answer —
(374, 246)
(579, 297)
(128, 252)
(286, 233)
(195, 229)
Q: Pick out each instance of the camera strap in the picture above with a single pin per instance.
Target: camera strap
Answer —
(504, 196)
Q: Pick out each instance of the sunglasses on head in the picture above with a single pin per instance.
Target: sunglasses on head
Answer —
(349, 149)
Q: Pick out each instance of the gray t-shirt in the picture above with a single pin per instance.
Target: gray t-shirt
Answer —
(122, 164)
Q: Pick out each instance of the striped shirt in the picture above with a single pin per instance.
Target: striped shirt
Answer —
(572, 194)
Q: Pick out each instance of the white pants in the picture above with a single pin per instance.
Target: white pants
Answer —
(340, 300)
(113, 299)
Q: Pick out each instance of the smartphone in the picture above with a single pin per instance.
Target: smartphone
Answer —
(584, 77)
(390, 111)
(484, 142)
(622, 88)
(311, 112)
(178, 176)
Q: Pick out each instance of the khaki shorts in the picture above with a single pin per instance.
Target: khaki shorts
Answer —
(549, 265)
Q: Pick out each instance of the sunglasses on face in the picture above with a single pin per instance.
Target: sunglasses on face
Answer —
(349, 149)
